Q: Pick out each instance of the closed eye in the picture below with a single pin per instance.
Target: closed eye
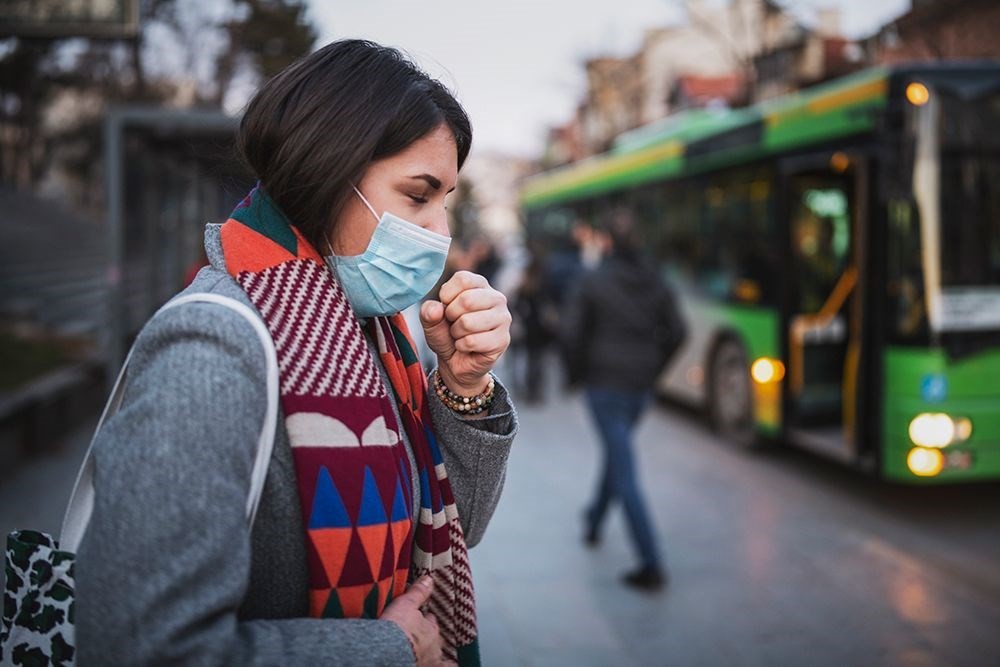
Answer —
(418, 199)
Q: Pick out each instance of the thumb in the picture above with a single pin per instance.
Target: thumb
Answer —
(420, 592)
(436, 329)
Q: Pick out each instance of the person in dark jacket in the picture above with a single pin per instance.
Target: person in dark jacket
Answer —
(534, 314)
(620, 330)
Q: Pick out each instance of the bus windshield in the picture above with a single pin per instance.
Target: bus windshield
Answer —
(955, 243)
(970, 213)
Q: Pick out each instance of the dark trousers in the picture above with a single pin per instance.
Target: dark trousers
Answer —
(534, 372)
(616, 413)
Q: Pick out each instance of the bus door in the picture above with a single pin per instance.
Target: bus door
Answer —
(821, 331)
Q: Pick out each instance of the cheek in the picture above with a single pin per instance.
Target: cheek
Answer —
(352, 231)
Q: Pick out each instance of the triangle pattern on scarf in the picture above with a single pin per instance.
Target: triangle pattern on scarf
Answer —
(352, 599)
(387, 563)
(374, 539)
(372, 510)
(385, 592)
(357, 568)
(372, 603)
(328, 509)
(331, 546)
(318, 598)
(333, 609)
(400, 511)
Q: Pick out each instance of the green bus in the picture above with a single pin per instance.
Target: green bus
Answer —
(837, 256)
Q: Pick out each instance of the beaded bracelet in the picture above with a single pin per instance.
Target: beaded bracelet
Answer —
(465, 405)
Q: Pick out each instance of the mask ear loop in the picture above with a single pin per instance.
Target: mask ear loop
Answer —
(370, 208)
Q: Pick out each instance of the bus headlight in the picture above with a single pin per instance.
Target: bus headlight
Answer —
(925, 462)
(939, 430)
(766, 370)
(917, 94)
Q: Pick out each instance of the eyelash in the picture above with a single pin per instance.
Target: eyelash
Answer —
(422, 200)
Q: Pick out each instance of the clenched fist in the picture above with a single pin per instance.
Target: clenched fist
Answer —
(468, 330)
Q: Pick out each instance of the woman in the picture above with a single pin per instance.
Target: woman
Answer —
(377, 486)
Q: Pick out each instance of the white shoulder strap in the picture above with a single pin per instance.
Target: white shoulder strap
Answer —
(81, 503)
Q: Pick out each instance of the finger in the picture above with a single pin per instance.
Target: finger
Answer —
(431, 312)
(471, 300)
(458, 283)
(487, 342)
(436, 329)
(420, 592)
(479, 321)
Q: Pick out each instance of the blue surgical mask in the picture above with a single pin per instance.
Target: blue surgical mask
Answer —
(400, 266)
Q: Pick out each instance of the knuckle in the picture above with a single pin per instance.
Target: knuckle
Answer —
(466, 300)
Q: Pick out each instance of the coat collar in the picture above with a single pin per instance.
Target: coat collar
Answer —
(213, 246)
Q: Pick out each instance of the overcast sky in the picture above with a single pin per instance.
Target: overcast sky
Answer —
(516, 65)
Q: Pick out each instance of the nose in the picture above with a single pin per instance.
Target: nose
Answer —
(438, 222)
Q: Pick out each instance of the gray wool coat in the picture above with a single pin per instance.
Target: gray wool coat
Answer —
(169, 572)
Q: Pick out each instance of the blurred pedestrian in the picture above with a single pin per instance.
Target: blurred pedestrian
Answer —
(534, 318)
(358, 555)
(620, 329)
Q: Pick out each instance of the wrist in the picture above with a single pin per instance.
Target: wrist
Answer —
(466, 405)
(463, 388)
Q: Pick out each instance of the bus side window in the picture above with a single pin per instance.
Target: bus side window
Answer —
(739, 237)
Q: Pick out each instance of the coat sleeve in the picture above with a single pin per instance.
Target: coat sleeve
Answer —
(475, 452)
(165, 561)
(574, 331)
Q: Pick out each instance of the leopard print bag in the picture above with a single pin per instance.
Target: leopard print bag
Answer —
(36, 629)
(37, 626)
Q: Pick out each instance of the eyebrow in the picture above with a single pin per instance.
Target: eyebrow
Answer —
(431, 181)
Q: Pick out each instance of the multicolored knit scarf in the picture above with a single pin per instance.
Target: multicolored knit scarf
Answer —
(354, 477)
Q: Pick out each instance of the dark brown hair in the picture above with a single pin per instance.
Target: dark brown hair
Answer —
(312, 130)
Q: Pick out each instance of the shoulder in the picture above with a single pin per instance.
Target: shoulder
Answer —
(208, 334)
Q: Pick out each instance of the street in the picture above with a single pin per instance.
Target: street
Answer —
(776, 558)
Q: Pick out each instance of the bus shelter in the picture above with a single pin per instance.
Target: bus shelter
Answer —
(168, 173)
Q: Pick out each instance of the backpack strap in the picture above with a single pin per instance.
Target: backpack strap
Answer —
(81, 503)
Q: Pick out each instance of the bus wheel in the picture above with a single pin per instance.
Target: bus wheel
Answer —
(730, 405)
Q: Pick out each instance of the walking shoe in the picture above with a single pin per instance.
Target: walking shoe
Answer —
(649, 579)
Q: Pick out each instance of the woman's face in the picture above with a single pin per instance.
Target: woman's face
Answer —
(411, 184)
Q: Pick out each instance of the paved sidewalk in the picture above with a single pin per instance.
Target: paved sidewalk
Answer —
(776, 558)
(543, 598)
